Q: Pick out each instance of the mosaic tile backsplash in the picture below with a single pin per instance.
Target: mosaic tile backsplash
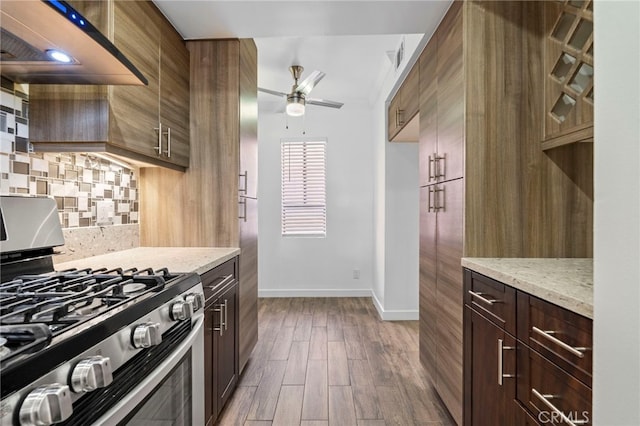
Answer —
(90, 190)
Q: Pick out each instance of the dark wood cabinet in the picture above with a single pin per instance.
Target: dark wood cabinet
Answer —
(221, 341)
(540, 375)
(144, 123)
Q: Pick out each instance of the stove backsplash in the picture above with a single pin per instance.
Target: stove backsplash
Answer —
(90, 191)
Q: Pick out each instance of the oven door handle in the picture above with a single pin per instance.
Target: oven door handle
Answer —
(137, 395)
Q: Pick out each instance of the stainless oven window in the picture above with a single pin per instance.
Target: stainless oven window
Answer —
(170, 403)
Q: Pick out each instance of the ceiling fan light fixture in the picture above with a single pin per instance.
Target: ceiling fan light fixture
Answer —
(295, 105)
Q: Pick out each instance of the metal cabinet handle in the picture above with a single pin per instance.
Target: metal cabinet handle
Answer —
(439, 173)
(159, 130)
(244, 175)
(243, 203)
(501, 349)
(399, 120)
(545, 400)
(480, 297)
(436, 205)
(168, 133)
(220, 310)
(431, 175)
(226, 308)
(548, 335)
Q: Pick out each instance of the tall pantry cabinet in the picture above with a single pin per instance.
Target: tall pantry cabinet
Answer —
(487, 188)
(214, 203)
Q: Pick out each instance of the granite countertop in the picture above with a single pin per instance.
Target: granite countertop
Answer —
(176, 259)
(565, 282)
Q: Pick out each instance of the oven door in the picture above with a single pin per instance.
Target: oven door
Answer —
(168, 392)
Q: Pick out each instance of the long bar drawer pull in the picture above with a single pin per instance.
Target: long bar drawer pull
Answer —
(501, 349)
(545, 400)
(481, 298)
(548, 335)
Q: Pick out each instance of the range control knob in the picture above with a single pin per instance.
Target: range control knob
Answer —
(196, 300)
(146, 335)
(46, 405)
(91, 374)
(181, 311)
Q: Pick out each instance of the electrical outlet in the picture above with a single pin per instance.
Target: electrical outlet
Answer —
(356, 274)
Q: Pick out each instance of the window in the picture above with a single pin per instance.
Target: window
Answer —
(304, 207)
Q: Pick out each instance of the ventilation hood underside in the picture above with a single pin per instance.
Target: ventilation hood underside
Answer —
(30, 28)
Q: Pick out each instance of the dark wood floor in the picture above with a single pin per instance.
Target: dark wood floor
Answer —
(331, 361)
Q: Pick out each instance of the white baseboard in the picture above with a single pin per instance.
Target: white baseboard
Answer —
(314, 292)
(397, 315)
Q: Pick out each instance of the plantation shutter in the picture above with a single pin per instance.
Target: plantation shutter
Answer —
(304, 208)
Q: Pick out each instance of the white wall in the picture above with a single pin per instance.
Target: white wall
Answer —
(616, 381)
(319, 266)
(396, 199)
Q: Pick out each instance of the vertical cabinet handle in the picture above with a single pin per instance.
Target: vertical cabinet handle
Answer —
(243, 203)
(431, 175)
(429, 208)
(226, 307)
(159, 147)
(436, 205)
(220, 311)
(501, 349)
(244, 176)
(439, 167)
(399, 117)
(168, 133)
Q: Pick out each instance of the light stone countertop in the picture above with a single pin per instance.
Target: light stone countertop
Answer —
(565, 282)
(176, 259)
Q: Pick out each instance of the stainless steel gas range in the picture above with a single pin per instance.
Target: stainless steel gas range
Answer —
(93, 346)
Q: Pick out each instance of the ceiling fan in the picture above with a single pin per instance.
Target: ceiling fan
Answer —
(297, 99)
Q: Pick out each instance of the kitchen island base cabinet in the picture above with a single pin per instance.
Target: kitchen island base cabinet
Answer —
(221, 341)
(526, 360)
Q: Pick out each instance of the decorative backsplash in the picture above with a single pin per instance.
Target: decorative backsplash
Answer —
(90, 190)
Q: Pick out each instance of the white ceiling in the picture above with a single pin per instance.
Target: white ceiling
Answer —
(348, 40)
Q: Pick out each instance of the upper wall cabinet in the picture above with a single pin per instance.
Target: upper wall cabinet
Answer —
(568, 103)
(143, 123)
(403, 109)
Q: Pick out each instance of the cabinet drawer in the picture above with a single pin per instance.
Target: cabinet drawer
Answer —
(495, 300)
(216, 279)
(562, 336)
(549, 393)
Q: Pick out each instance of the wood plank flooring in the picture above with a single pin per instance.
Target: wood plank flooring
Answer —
(331, 361)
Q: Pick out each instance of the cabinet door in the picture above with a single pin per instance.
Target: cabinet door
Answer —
(174, 96)
(450, 96)
(248, 287)
(409, 95)
(428, 302)
(134, 109)
(393, 116)
(490, 396)
(226, 346)
(449, 202)
(428, 112)
(209, 393)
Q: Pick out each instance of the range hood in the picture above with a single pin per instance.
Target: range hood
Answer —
(33, 30)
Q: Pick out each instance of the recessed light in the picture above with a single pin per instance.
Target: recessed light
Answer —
(58, 55)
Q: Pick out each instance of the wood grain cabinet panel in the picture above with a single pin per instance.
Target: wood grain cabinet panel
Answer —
(144, 123)
(403, 125)
(428, 88)
(215, 200)
(428, 282)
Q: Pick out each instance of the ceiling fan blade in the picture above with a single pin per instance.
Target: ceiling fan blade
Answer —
(324, 102)
(310, 82)
(272, 92)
